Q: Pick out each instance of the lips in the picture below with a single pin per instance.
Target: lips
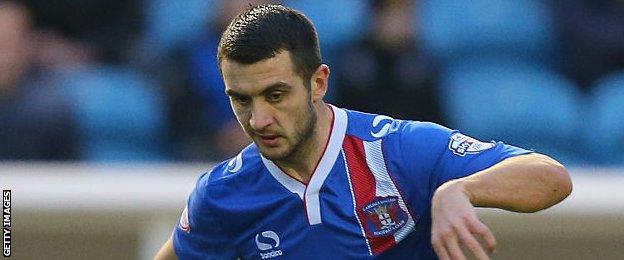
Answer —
(270, 140)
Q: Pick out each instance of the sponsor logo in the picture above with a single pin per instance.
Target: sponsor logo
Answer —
(384, 216)
(236, 163)
(268, 240)
(387, 126)
(184, 221)
(461, 145)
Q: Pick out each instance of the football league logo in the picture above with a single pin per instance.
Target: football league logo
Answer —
(461, 145)
(384, 216)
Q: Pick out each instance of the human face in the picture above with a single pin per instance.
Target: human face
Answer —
(271, 103)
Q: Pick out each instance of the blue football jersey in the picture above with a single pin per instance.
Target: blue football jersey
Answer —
(369, 196)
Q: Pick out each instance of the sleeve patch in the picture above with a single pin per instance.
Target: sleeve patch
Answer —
(461, 145)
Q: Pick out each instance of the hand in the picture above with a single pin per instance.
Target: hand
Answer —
(455, 223)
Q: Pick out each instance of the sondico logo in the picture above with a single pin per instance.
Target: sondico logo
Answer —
(235, 164)
(388, 126)
(270, 241)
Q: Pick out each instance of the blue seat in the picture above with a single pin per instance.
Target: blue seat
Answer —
(170, 23)
(120, 115)
(604, 129)
(337, 22)
(516, 102)
(455, 29)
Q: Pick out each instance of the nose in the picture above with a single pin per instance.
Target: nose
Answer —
(260, 117)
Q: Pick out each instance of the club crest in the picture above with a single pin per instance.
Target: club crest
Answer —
(384, 216)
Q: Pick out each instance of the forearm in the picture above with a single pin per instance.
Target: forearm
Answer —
(525, 183)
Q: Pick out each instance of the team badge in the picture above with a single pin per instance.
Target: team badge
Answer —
(384, 216)
(461, 145)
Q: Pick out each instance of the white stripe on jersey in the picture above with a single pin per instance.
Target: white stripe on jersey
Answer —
(384, 184)
(355, 214)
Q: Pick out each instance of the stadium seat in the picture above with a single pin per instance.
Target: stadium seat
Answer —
(604, 130)
(517, 102)
(170, 23)
(120, 115)
(337, 22)
(453, 29)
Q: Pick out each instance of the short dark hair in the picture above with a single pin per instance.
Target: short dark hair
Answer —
(261, 32)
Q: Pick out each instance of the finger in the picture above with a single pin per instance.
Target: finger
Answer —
(471, 243)
(481, 229)
(439, 249)
(452, 245)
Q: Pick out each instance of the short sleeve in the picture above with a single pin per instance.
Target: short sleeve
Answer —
(199, 234)
(443, 154)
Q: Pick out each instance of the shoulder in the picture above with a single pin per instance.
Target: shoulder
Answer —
(218, 189)
(245, 163)
(226, 176)
(209, 221)
(403, 141)
(371, 127)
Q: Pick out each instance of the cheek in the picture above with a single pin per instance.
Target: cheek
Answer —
(299, 116)
(242, 116)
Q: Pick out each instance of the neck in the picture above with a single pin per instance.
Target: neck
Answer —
(302, 164)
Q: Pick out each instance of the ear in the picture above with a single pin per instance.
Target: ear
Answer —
(319, 83)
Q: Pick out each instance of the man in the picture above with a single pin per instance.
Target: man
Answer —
(36, 116)
(398, 77)
(320, 182)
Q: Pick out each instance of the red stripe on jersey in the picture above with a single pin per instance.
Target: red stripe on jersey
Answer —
(363, 182)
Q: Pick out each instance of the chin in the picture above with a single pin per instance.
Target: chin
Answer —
(276, 153)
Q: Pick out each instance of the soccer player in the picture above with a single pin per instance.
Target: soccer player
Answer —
(322, 182)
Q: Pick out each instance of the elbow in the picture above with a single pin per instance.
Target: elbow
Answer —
(563, 181)
(554, 184)
(559, 179)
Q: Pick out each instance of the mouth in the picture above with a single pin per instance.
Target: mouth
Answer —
(270, 140)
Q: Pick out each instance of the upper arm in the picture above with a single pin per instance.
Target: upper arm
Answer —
(166, 252)
(441, 154)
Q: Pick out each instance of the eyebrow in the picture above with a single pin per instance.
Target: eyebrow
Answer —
(273, 87)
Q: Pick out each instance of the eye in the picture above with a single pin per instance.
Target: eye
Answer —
(275, 97)
(241, 100)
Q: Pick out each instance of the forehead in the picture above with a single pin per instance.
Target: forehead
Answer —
(253, 78)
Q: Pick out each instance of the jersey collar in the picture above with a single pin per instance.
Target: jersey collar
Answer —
(310, 193)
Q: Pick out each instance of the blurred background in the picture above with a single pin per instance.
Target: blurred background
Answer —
(109, 109)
